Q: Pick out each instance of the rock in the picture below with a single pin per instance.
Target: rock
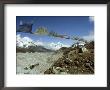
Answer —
(56, 71)
(49, 71)
(89, 66)
(77, 63)
(89, 45)
(58, 68)
(84, 49)
(72, 56)
(26, 68)
(32, 66)
(67, 62)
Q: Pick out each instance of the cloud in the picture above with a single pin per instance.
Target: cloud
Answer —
(90, 36)
(27, 39)
(91, 18)
(39, 43)
(58, 45)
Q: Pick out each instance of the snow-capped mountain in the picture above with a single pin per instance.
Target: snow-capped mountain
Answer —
(25, 42)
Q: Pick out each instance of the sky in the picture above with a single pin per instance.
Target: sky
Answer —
(81, 26)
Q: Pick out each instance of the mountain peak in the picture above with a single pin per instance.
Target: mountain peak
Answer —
(24, 42)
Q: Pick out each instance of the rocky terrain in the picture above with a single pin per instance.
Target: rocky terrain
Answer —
(33, 58)
(74, 61)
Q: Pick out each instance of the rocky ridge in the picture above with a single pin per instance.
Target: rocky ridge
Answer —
(74, 61)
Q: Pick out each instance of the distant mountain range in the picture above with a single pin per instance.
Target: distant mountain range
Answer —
(26, 44)
(33, 49)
